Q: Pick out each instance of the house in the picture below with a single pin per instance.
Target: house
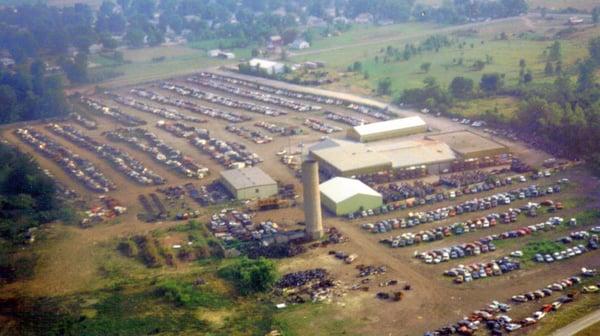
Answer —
(218, 53)
(364, 18)
(575, 20)
(299, 44)
(275, 41)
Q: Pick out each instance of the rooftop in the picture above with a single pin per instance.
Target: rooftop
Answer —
(415, 153)
(263, 63)
(247, 177)
(351, 156)
(339, 189)
(467, 142)
(390, 125)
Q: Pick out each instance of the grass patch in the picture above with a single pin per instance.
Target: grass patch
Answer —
(315, 319)
(190, 296)
(504, 107)
(588, 217)
(592, 330)
(542, 247)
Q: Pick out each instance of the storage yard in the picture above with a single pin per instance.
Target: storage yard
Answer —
(427, 207)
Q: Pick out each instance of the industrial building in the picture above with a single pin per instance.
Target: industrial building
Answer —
(249, 183)
(342, 196)
(347, 159)
(388, 129)
(470, 145)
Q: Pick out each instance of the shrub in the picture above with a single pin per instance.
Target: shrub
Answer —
(250, 276)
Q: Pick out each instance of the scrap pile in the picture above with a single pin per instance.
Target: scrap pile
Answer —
(465, 178)
(109, 209)
(251, 94)
(393, 192)
(163, 153)
(193, 107)
(111, 112)
(222, 100)
(157, 111)
(121, 160)
(81, 169)
(311, 285)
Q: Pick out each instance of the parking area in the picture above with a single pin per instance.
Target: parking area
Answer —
(159, 147)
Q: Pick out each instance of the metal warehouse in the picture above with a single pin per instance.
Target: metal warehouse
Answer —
(388, 129)
(249, 183)
(342, 196)
(471, 145)
(436, 156)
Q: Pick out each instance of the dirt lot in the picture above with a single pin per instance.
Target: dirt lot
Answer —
(433, 300)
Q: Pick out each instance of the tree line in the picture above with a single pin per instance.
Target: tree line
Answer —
(563, 116)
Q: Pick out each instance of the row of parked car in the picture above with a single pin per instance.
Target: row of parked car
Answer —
(288, 103)
(84, 121)
(482, 270)
(320, 126)
(162, 112)
(278, 129)
(467, 178)
(223, 100)
(148, 142)
(437, 197)
(346, 119)
(255, 136)
(397, 191)
(568, 252)
(476, 204)
(457, 228)
(364, 109)
(81, 169)
(121, 160)
(494, 313)
(111, 112)
(484, 244)
(227, 153)
(193, 107)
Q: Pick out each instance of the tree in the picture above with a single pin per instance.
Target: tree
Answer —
(384, 86)
(554, 54)
(491, 82)
(586, 77)
(549, 70)
(135, 38)
(522, 63)
(594, 49)
(528, 77)
(478, 65)
(461, 87)
(250, 276)
(425, 67)
(596, 14)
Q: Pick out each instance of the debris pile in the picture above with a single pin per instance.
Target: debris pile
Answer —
(311, 285)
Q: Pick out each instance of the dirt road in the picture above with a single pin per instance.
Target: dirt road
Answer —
(578, 325)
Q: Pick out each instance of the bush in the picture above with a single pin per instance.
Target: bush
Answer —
(186, 295)
(250, 276)
(128, 248)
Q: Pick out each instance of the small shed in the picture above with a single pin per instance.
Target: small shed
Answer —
(249, 183)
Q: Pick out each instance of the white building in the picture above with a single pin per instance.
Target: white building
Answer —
(342, 196)
(388, 129)
(299, 44)
(270, 67)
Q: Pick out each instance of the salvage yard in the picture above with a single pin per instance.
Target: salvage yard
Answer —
(158, 148)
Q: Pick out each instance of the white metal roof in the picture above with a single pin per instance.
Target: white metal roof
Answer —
(247, 177)
(339, 189)
(265, 64)
(415, 153)
(390, 125)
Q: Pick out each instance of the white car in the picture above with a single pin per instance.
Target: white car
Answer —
(516, 254)
(512, 327)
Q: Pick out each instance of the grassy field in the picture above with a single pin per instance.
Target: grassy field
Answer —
(590, 331)
(178, 60)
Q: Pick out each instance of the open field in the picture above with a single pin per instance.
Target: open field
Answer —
(82, 271)
(590, 331)
(407, 74)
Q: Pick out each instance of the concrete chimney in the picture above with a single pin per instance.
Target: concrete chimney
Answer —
(312, 200)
